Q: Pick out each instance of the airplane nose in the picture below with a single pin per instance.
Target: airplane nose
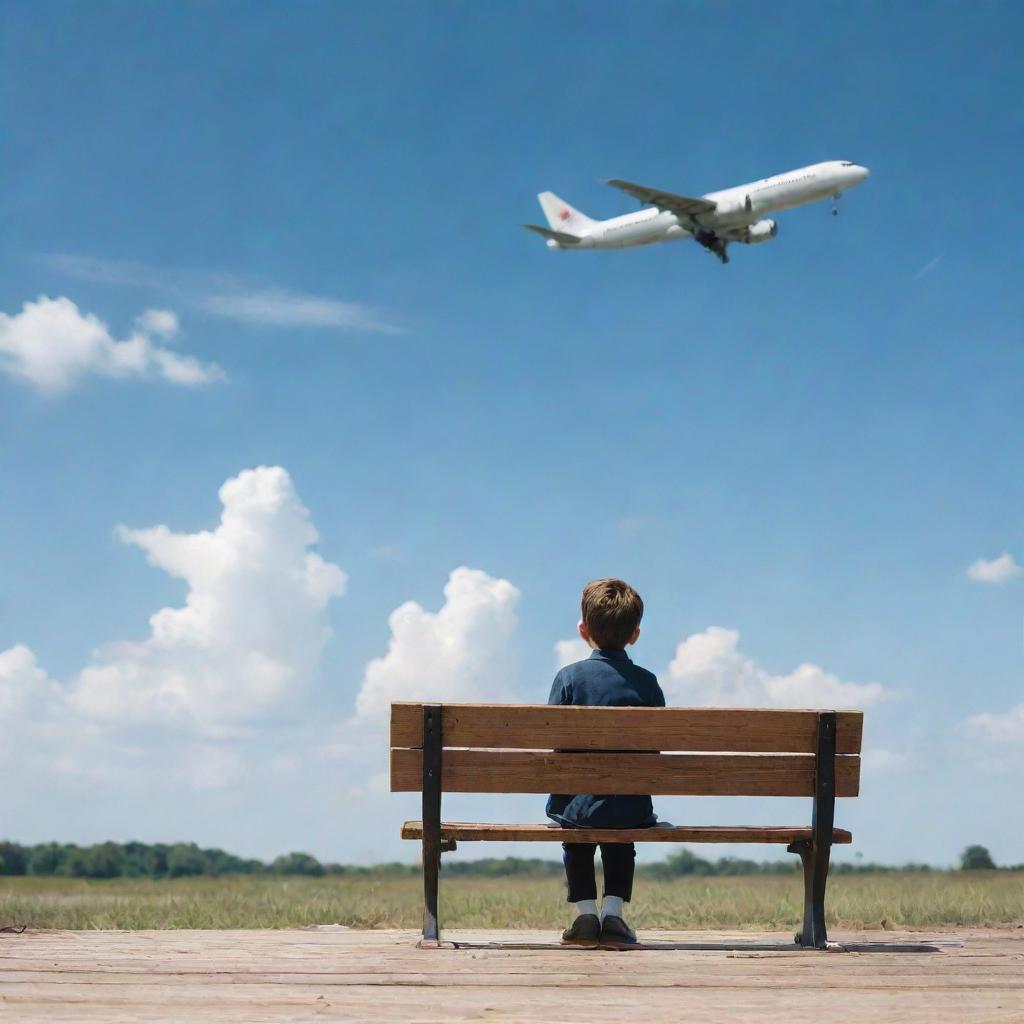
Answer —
(862, 173)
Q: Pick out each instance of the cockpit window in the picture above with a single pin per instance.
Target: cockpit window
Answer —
(847, 163)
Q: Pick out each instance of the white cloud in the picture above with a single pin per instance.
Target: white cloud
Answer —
(120, 273)
(709, 670)
(184, 703)
(53, 345)
(161, 322)
(42, 735)
(879, 761)
(248, 638)
(277, 307)
(461, 652)
(232, 296)
(1003, 729)
(569, 651)
(26, 691)
(927, 268)
(997, 570)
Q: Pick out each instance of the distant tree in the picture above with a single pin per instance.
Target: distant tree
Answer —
(494, 867)
(685, 862)
(73, 861)
(13, 859)
(221, 863)
(105, 860)
(297, 864)
(976, 858)
(45, 859)
(156, 859)
(138, 861)
(185, 859)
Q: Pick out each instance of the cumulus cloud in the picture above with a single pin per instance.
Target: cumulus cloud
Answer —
(251, 632)
(42, 735)
(461, 652)
(568, 651)
(47, 737)
(52, 345)
(996, 570)
(709, 670)
(246, 643)
(27, 693)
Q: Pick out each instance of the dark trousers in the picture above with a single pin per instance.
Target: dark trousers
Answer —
(618, 860)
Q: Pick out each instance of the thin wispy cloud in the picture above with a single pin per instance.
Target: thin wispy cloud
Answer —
(229, 296)
(926, 269)
(288, 309)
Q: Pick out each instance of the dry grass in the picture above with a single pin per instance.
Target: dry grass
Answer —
(899, 900)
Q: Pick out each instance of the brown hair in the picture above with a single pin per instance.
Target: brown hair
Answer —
(612, 610)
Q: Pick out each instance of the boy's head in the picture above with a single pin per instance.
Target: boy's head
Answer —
(612, 611)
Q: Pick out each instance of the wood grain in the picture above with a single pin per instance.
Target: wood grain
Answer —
(529, 771)
(287, 976)
(472, 832)
(543, 727)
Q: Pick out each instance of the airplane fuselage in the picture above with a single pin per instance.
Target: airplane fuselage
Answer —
(736, 209)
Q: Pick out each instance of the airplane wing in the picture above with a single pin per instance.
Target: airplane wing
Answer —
(558, 236)
(683, 206)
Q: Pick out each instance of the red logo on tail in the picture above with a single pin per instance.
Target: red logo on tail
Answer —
(565, 215)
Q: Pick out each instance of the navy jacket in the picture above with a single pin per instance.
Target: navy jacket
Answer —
(606, 679)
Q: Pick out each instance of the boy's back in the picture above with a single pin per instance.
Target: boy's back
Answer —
(608, 678)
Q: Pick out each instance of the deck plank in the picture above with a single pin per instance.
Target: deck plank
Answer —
(297, 975)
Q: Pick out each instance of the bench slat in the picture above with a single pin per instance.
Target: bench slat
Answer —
(523, 771)
(540, 726)
(473, 832)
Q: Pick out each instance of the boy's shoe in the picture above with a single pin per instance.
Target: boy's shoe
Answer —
(616, 934)
(584, 931)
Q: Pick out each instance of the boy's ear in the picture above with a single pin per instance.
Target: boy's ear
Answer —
(584, 635)
(636, 636)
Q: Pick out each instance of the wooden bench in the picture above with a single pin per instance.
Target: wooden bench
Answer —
(527, 748)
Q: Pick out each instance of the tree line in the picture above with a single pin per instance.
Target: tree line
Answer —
(147, 860)
(182, 860)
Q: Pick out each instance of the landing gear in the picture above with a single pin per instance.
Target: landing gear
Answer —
(835, 204)
(711, 242)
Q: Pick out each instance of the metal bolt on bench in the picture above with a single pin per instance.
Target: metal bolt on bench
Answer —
(527, 748)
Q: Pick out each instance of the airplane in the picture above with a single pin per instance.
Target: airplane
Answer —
(713, 220)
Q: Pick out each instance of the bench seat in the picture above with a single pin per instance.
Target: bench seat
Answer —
(471, 832)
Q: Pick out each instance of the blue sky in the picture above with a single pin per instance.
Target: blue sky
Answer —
(808, 447)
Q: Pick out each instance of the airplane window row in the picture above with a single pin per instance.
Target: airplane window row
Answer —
(788, 181)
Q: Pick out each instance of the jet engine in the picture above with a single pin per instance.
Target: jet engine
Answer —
(762, 231)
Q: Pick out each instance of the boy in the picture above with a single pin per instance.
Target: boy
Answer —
(611, 613)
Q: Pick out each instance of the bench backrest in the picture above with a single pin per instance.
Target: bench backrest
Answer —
(538, 748)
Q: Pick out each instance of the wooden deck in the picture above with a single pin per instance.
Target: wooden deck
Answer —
(284, 976)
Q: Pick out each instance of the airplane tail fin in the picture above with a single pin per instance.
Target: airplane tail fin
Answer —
(562, 217)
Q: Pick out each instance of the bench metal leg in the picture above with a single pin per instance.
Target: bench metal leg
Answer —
(815, 862)
(432, 747)
(815, 853)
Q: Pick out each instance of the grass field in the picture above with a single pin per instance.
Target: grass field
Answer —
(897, 900)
